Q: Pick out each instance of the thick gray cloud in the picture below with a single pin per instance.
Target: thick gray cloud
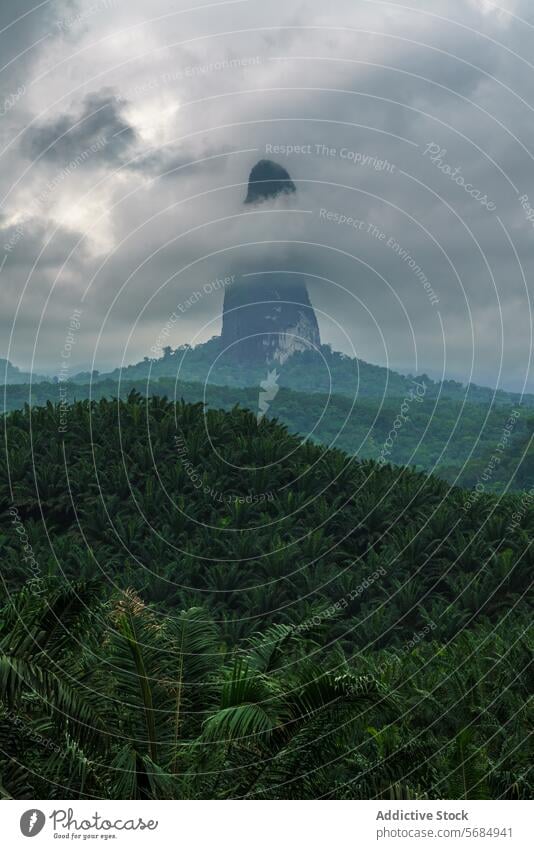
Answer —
(188, 100)
(99, 125)
(25, 26)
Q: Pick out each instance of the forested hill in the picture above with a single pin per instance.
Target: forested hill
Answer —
(10, 374)
(204, 596)
(323, 371)
(470, 444)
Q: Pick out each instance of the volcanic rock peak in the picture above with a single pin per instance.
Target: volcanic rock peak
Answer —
(268, 318)
(268, 180)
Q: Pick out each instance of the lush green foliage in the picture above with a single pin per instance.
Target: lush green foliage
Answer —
(10, 374)
(217, 610)
(324, 371)
(451, 438)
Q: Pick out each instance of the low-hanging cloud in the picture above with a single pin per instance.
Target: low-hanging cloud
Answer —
(158, 210)
(66, 137)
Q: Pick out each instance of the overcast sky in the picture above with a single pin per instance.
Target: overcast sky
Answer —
(128, 130)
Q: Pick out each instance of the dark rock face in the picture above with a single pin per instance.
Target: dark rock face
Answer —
(266, 318)
(268, 180)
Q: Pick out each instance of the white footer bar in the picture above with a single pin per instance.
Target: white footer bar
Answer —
(267, 825)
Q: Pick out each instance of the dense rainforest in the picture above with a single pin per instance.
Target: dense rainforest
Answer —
(463, 442)
(200, 605)
(323, 370)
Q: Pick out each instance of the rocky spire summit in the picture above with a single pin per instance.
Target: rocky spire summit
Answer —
(268, 316)
(268, 180)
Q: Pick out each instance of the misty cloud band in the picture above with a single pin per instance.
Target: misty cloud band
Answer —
(390, 242)
(213, 286)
